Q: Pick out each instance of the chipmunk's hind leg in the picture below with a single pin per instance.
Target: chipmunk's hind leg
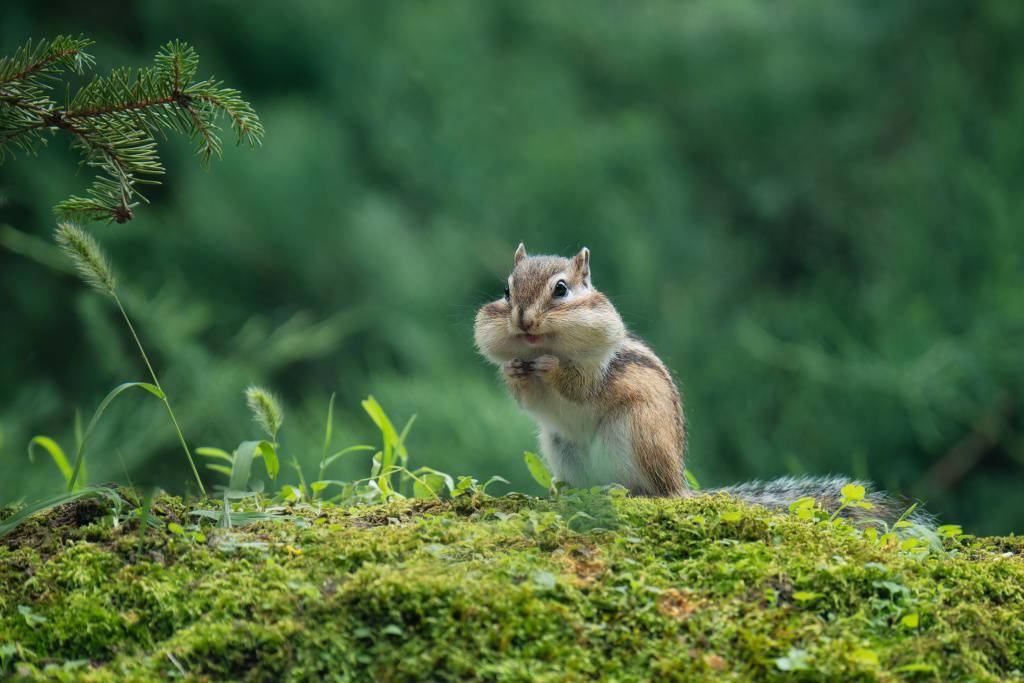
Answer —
(657, 453)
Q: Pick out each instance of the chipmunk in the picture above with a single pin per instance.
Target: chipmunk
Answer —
(608, 409)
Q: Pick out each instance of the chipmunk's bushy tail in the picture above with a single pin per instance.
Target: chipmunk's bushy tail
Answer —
(778, 494)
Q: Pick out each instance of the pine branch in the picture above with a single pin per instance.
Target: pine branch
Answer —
(114, 120)
(45, 60)
(26, 79)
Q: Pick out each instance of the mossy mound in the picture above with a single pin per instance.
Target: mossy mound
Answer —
(503, 589)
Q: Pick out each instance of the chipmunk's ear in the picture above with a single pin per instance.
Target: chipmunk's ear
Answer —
(581, 265)
(520, 253)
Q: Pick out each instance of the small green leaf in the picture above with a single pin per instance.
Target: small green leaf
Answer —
(428, 485)
(31, 618)
(544, 580)
(864, 657)
(465, 484)
(795, 660)
(910, 544)
(175, 528)
(541, 473)
(912, 620)
(269, 458)
(731, 516)
(805, 596)
(950, 530)
(291, 493)
(322, 484)
(852, 492)
(803, 508)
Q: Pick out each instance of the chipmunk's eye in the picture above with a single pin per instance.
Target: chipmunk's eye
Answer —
(561, 289)
(508, 294)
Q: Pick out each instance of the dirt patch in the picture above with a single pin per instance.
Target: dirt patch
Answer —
(677, 604)
(78, 512)
(585, 563)
(391, 516)
(715, 662)
(60, 523)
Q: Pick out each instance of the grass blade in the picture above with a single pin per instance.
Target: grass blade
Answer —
(117, 391)
(401, 439)
(55, 451)
(241, 466)
(328, 434)
(210, 452)
(345, 451)
(387, 429)
(17, 519)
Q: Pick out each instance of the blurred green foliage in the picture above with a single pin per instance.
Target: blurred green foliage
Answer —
(812, 211)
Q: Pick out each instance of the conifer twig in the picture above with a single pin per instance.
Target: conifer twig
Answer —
(114, 120)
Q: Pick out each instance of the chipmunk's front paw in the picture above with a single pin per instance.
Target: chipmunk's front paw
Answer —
(542, 365)
(518, 370)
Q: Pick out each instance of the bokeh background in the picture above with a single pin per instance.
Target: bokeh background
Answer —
(812, 210)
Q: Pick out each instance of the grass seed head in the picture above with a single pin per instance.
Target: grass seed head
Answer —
(84, 251)
(265, 409)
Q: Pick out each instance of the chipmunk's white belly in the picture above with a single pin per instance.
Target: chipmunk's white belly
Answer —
(574, 421)
(580, 448)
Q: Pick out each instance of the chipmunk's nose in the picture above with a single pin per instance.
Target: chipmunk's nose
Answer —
(525, 322)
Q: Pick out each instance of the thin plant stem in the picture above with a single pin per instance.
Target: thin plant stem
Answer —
(327, 442)
(835, 515)
(302, 480)
(167, 403)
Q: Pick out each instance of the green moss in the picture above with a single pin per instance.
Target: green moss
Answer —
(510, 589)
